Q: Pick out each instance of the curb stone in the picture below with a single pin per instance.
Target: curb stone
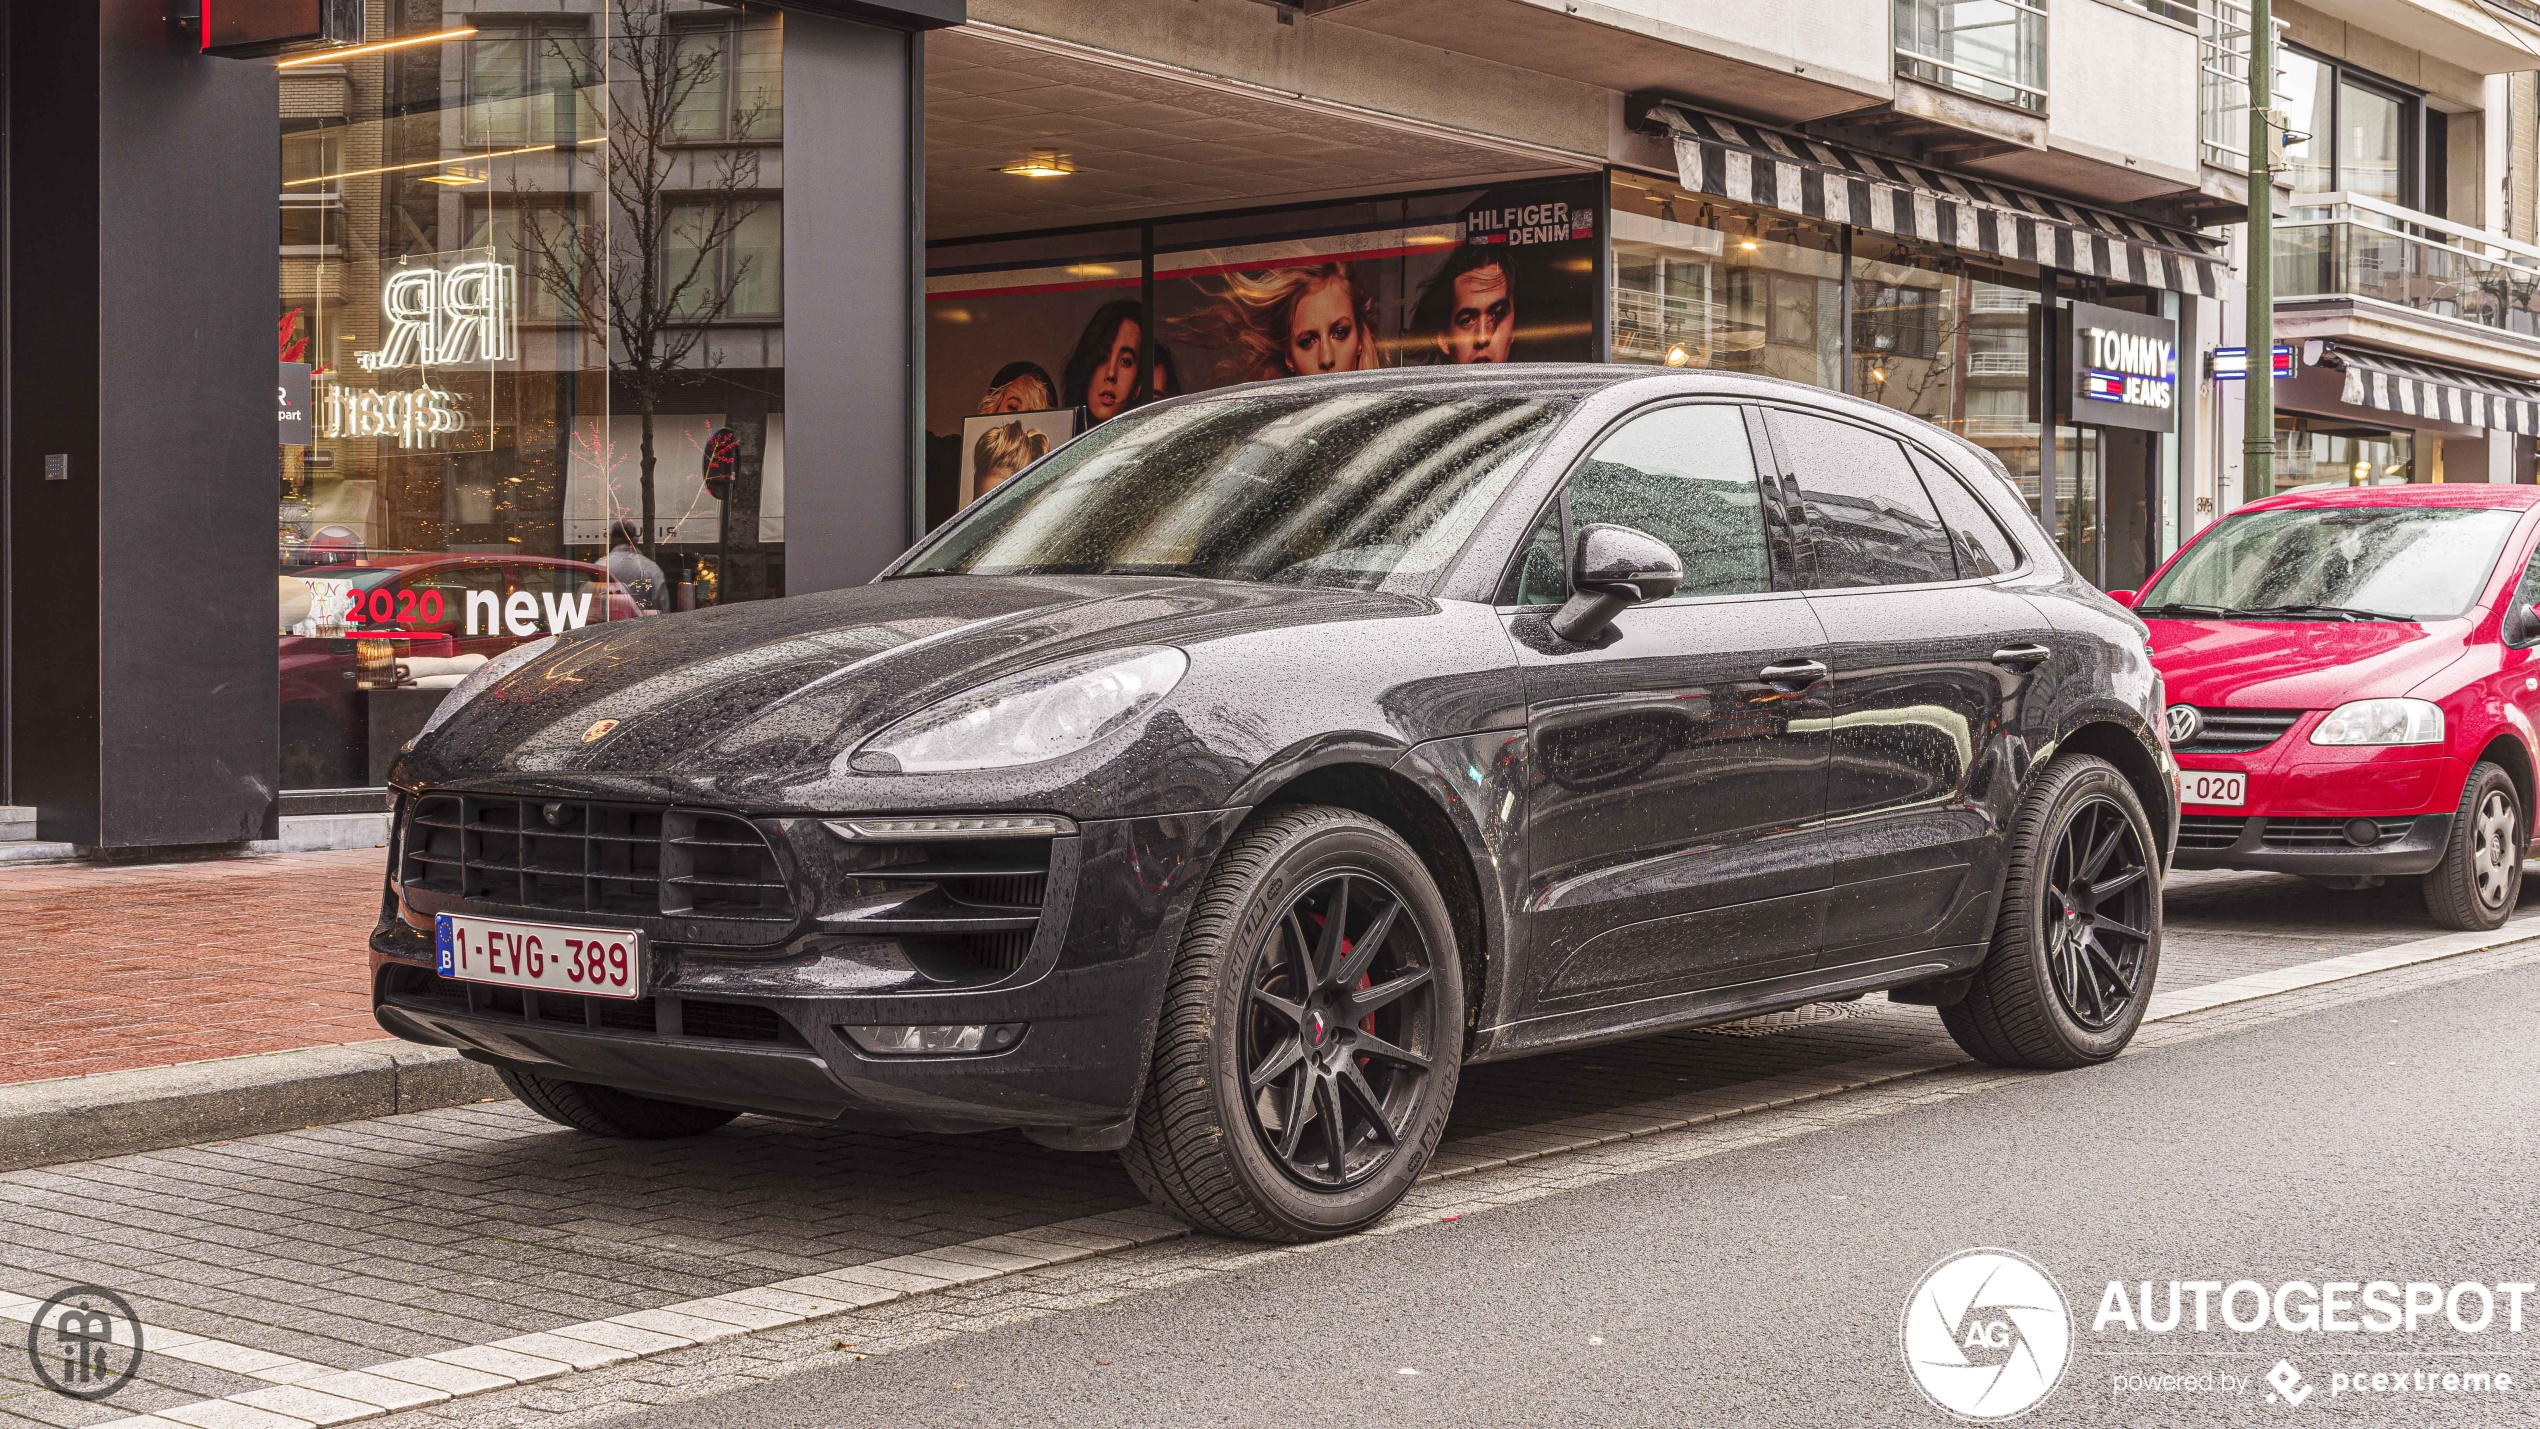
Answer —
(154, 1108)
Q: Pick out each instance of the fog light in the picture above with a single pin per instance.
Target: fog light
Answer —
(935, 1040)
(2362, 833)
(982, 826)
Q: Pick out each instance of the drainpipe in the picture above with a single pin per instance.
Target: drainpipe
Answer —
(2258, 424)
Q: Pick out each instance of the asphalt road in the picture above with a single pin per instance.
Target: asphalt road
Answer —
(2390, 1138)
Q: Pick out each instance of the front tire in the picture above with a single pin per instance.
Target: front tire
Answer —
(2477, 885)
(2077, 941)
(1311, 1036)
(606, 1111)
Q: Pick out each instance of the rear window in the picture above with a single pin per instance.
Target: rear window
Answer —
(2337, 562)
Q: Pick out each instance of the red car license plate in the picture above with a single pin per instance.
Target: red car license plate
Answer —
(596, 962)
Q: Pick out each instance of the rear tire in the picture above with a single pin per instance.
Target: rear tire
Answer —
(1302, 1076)
(2077, 942)
(606, 1111)
(2477, 885)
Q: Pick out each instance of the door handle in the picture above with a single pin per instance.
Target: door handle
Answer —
(2026, 656)
(1793, 675)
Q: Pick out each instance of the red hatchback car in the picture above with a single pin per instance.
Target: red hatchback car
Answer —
(2351, 676)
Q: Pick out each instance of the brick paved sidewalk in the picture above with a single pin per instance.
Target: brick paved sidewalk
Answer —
(103, 969)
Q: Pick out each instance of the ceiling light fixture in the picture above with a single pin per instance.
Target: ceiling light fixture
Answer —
(1042, 165)
(328, 57)
(437, 163)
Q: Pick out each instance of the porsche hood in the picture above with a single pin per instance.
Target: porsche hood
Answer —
(777, 688)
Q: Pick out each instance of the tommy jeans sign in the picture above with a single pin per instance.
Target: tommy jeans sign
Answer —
(2124, 369)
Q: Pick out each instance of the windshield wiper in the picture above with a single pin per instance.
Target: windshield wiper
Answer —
(2342, 612)
(2209, 612)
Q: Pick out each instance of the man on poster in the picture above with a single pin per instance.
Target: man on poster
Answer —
(1469, 306)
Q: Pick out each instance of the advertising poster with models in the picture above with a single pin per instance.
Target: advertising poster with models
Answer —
(1506, 274)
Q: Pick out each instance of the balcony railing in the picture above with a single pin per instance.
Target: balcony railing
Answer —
(1993, 49)
(2343, 243)
(2223, 109)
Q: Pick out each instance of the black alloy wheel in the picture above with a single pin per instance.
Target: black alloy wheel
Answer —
(2097, 909)
(1311, 1036)
(1338, 1030)
(2077, 935)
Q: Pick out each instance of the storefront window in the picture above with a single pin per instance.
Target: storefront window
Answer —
(1702, 284)
(1032, 339)
(2311, 451)
(526, 272)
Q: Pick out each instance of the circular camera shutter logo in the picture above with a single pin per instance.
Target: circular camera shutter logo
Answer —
(1986, 1335)
(2186, 722)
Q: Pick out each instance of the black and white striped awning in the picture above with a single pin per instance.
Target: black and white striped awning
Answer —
(1736, 160)
(2438, 394)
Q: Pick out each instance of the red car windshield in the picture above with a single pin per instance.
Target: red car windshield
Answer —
(2336, 563)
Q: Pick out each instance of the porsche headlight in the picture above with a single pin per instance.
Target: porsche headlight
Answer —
(2381, 722)
(478, 681)
(1024, 719)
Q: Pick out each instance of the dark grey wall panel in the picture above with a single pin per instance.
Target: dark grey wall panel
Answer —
(851, 370)
(186, 471)
(52, 322)
(142, 302)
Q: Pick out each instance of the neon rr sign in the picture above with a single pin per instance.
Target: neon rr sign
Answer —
(451, 315)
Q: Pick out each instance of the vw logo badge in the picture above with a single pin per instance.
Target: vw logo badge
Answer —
(598, 731)
(2185, 723)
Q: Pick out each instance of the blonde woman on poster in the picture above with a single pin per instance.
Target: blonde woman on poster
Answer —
(1287, 322)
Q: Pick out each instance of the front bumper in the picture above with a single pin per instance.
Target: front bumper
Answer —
(759, 1031)
(2315, 845)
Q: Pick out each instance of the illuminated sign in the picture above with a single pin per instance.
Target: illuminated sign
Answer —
(2231, 364)
(2124, 369)
(415, 416)
(445, 321)
(467, 312)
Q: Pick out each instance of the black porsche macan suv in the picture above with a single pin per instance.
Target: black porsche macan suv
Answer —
(1222, 784)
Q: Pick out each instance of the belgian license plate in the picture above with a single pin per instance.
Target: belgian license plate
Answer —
(2213, 786)
(596, 962)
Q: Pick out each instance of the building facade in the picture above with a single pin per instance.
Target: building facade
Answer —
(598, 309)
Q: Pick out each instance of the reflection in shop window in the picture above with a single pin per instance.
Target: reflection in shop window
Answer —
(726, 261)
(1708, 285)
(524, 82)
(737, 85)
(469, 235)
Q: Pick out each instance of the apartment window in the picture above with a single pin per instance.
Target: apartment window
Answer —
(525, 83)
(1992, 49)
(729, 81)
(2363, 132)
(726, 262)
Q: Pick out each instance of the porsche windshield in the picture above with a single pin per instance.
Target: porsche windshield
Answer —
(2336, 563)
(1373, 490)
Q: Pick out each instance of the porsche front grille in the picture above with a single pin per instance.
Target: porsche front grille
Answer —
(588, 857)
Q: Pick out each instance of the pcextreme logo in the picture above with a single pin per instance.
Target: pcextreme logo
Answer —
(1986, 1335)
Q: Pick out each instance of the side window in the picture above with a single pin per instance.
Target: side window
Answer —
(1983, 547)
(1542, 575)
(2527, 590)
(1868, 515)
(1686, 476)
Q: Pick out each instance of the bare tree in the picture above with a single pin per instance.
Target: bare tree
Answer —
(655, 276)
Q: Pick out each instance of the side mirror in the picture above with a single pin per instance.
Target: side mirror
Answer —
(1612, 567)
(2123, 597)
(2522, 624)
